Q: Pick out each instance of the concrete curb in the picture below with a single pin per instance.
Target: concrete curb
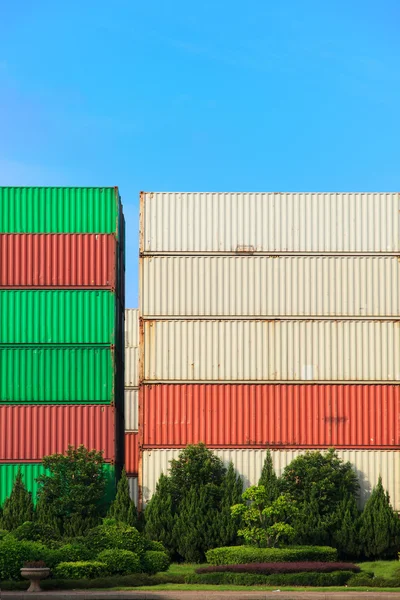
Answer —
(197, 595)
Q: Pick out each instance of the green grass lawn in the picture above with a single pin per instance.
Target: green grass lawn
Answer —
(381, 568)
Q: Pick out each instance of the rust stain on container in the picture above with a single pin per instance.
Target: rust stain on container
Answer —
(132, 453)
(291, 416)
(28, 433)
(58, 260)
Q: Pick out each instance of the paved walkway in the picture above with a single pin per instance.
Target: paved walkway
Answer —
(203, 595)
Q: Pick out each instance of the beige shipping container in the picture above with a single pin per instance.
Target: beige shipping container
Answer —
(133, 489)
(271, 351)
(131, 409)
(270, 286)
(131, 347)
(368, 464)
(131, 328)
(269, 222)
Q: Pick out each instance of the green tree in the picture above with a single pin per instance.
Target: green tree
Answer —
(324, 475)
(18, 508)
(311, 528)
(346, 532)
(73, 493)
(265, 523)
(160, 513)
(194, 531)
(123, 508)
(196, 466)
(226, 524)
(269, 479)
(379, 532)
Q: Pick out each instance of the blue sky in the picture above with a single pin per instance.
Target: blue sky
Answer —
(212, 95)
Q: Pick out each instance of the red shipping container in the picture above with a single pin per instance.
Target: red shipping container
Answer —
(27, 433)
(132, 453)
(276, 416)
(49, 260)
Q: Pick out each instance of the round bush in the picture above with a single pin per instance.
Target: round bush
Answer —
(80, 570)
(156, 546)
(112, 535)
(73, 553)
(120, 562)
(153, 562)
(35, 532)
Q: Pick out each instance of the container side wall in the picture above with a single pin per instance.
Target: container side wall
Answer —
(57, 260)
(263, 222)
(272, 351)
(56, 375)
(298, 416)
(133, 489)
(132, 453)
(28, 433)
(131, 409)
(131, 328)
(57, 317)
(58, 210)
(269, 286)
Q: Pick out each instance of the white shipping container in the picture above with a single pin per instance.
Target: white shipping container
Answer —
(133, 489)
(131, 367)
(270, 222)
(368, 464)
(131, 409)
(272, 351)
(131, 327)
(269, 286)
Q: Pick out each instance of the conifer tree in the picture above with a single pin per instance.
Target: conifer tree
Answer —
(310, 526)
(123, 508)
(194, 530)
(269, 479)
(380, 531)
(18, 508)
(226, 524)
(159, 515)
(346, 534)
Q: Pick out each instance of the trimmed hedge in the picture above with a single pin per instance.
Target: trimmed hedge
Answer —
(153, 562)
(80, 570)
(237, 555)
(337, 578)
(120, 562)
(366, 579)
(14, 553)
(130, 581)
(111, 535)
(284, 567)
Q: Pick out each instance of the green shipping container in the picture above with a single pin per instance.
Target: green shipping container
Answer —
(57, 317)
(60, 210)
(57, 375)
(31, 471)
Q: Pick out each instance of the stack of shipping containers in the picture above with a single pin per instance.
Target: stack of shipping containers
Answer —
(270, 321)
(131, 399)
(61, 327)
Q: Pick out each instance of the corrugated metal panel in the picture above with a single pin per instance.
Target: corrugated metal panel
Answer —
(131, 367)
(264, 286)
(31, 471)
(56, 375)
(131, 453)
(131, 328)
(59, 210)
(61, 260)
(368, 464)
(28, 433)
(131, 410)
(271, 415)
(133, 489)
(57, 317)
(272, 351)
(270, 222)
